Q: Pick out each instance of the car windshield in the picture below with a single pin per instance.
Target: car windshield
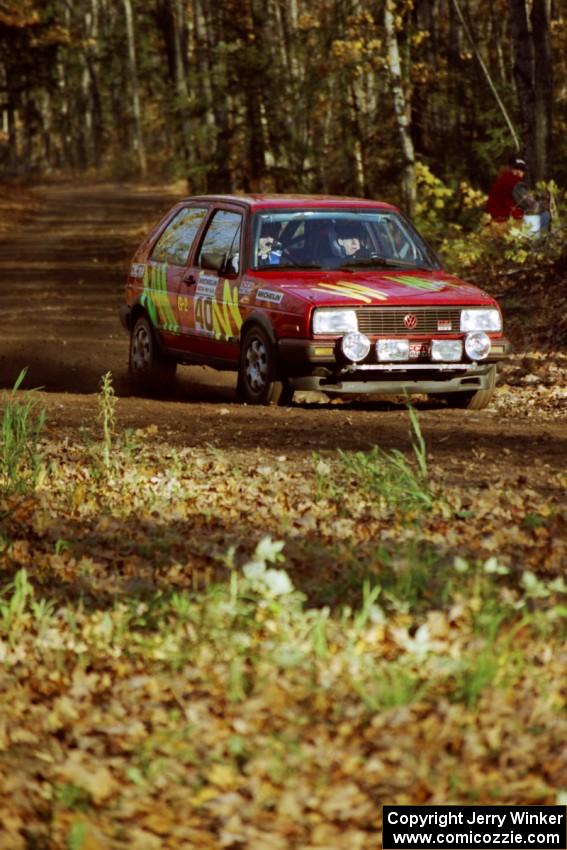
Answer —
(311, 238)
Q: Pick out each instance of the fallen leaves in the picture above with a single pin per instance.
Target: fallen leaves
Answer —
(228, 648)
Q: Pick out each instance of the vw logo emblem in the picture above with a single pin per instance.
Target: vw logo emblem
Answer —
(410, 321)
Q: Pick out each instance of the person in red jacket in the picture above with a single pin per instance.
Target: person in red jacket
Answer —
(509, 198)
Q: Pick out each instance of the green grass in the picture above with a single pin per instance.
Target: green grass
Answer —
(386, 477)
(21, 461)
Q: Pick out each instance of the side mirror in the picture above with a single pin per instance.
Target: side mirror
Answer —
(214, 262)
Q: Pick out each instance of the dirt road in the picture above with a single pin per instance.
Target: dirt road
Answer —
(61, 284)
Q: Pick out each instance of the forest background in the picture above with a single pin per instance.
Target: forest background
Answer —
(350, 97)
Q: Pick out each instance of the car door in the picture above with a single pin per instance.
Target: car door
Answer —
(212, 290)
(166, 269)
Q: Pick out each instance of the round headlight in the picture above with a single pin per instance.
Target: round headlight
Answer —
(477, 345)
(355, 346)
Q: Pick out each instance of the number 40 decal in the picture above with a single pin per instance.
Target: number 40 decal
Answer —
(204, 314)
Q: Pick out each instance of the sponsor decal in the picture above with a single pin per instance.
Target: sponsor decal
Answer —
(219, 318)
(418, 349)
(156, 300)
(206, 288)
(246, 286)
(137, 270)
(425, 283)
(355, 291)
(444, 325)
(269, 295)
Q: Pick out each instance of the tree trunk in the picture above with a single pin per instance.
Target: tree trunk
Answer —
(533, 76)
(92, 63)
(543, 86)
(358, 144)
(219, 176)
(401, 109)
(181, 87)
(136, 114)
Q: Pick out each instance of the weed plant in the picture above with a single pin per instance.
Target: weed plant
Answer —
(21, 462)
(390, 476)
(107, 416)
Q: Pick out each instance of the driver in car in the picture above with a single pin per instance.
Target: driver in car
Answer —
(268, 245)
(350, 238)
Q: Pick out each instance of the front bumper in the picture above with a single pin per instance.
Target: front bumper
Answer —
(314, 365)
(398, 380)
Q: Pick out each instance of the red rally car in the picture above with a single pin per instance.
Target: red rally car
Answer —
(306, 292)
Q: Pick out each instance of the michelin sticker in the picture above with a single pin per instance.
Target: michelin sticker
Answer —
(137, 270)
(269, 295)
(204, 277)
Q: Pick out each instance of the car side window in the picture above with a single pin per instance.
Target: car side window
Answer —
(175, 242)
(222, 241)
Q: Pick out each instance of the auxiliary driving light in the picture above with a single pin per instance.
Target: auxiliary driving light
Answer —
(477, 345)
(392, 349)
(448, 350)
(355, 346)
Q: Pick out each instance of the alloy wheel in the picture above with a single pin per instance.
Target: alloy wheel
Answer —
(256, 365)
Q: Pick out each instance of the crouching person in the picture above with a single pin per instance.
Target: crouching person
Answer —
(510, 201)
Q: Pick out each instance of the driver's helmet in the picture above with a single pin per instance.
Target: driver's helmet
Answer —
(346, 231)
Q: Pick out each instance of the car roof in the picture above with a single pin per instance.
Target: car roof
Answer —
(269, 201)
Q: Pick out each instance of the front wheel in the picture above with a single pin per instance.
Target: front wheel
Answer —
(477, 400)
(148, 367)
(257, 381)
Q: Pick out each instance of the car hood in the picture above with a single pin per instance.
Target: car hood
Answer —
(365, 287)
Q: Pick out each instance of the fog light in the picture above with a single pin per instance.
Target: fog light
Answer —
(355, 346)
(392, 349)
(448, 350)
(477, 346)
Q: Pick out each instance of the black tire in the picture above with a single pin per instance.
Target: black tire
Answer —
(148, 367)
(258, 382)
(477, 400)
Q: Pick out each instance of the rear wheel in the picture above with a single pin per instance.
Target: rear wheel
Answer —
(257, 373)
(149, 368)
(477, 400)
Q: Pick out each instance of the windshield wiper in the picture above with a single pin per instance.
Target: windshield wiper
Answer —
(292, 265)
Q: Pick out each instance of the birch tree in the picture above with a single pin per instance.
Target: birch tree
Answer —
(138, 137)
(401, 107)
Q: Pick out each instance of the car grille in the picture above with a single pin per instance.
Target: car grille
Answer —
(390, 320)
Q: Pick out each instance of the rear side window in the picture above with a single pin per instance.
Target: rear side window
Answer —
(222, 239)
(175, 242)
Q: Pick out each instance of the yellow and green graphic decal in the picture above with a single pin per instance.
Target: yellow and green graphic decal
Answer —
(154, 298)
(424, 283)
(350, 290)
(219, 318)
